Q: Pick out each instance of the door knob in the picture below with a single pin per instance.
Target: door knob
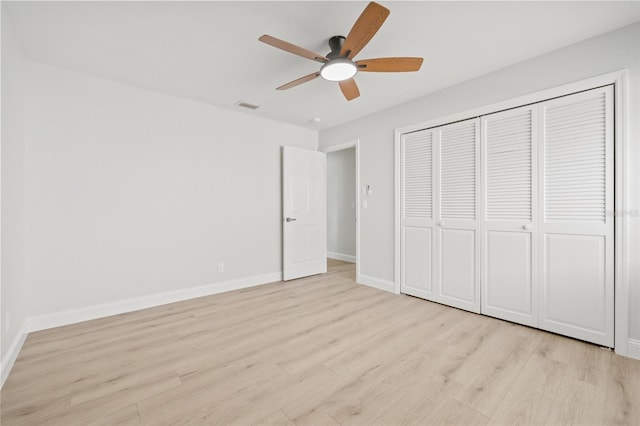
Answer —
(527, 227)
(291, 219)
(441, 223)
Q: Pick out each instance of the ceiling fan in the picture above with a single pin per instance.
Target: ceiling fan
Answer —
(338, 65)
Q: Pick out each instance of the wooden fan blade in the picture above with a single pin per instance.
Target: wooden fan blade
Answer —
(364, 29)
(299, 81)
(349, 89)
(292, 48)
(389, 64)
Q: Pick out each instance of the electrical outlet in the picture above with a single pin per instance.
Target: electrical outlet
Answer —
(220, 267)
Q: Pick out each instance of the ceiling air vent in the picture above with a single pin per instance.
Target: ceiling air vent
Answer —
(244, 104)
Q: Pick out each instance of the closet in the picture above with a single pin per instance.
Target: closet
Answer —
(508, 215)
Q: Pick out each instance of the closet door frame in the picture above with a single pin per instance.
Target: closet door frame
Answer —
(622, 179)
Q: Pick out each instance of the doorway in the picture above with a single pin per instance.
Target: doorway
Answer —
(343, 202)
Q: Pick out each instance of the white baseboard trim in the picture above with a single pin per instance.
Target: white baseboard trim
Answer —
(73, 316)
(341, 256)
(12, 354)
(633, 348)
(376, 283)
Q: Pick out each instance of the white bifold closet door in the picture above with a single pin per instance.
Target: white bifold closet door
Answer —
(547, 257)
(524, 231)
(509, 220)
(439, 214)
(417, 224)
(576, 227)
(457, 247)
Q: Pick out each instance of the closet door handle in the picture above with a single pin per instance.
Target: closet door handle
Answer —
(291, 219)
(527, 227)
(441, 223)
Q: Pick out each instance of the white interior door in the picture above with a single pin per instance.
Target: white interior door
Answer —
(304, 213)
(417, 237)
(509, 217)
(457, 239)
(576, 252)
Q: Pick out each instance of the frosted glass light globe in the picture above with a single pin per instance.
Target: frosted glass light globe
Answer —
(338, 69)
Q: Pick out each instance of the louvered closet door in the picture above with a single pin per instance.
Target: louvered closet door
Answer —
(417, 236)
(509, 181)
(457, 237)
(576, 293)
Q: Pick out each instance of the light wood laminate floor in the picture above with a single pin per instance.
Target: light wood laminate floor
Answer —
(319, 350)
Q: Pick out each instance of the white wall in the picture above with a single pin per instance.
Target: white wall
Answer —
(609, 52)
(133, 193)
(341, 203)
(13, 280)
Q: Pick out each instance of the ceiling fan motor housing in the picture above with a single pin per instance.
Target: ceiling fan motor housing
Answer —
(335, 44)
(339, 68)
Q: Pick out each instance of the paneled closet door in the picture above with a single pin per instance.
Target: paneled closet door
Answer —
(509, 216)
(456, 257)
(417, 237)
(576, 292)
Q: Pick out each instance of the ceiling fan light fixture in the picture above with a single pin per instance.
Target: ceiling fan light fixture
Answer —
(338, 69)
(338, 65)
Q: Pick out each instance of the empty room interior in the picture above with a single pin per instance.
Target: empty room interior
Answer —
(320, 212)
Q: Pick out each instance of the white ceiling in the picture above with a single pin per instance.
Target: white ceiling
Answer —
(209, 51)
